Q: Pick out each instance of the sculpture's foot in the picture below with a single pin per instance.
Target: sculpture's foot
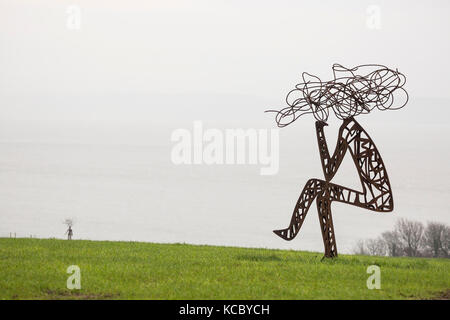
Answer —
(283, 233)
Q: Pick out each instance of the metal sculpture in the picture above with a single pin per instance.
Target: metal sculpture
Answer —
(353, 91)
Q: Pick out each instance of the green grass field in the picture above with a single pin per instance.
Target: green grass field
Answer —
(36, 269)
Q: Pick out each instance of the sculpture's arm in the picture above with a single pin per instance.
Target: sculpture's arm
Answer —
(330, 165)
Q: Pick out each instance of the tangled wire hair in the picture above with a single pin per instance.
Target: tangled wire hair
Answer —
(353, 91)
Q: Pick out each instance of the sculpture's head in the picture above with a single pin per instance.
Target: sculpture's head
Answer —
(353, 91)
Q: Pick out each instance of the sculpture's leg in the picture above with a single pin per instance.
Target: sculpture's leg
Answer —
(312, 188)
(381, 203)
(326, 224)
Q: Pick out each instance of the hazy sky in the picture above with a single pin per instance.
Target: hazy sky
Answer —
(240, 47)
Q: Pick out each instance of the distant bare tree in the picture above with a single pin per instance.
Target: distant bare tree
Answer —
(376, 247)
(446, 242)
(360, 248)
(436, 238)
(411, 234)
(409, 238)
(393, 243)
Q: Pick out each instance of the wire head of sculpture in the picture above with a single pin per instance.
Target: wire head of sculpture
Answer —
(352, 92)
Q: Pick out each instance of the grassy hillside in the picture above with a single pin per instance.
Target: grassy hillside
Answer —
(36, 269)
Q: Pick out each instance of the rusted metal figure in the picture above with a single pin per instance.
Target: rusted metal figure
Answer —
(347, 96)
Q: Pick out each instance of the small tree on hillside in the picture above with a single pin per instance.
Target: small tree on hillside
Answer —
(436, 238)
(393, 243)
(360, 248)
(446, 242)
(410, 234)
(376, 247)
